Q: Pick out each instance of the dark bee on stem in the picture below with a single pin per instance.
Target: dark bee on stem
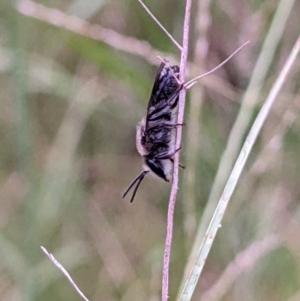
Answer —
(155, 133)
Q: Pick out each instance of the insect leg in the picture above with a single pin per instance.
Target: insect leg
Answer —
(168, 156)
(180, 165)
(178, 124)
(172, 160)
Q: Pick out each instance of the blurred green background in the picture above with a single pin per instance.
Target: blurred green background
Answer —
(69, 106)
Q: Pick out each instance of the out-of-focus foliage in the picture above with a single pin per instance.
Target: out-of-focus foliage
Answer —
(69, 106)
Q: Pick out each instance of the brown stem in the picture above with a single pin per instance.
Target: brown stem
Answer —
(174, 188)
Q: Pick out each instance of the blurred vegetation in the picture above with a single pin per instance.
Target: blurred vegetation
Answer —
(69, 106)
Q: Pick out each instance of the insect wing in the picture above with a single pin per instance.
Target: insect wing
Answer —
(164, 95)
(165, 84)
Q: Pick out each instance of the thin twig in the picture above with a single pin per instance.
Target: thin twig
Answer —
(193, 81)
(174, 188)
(160, 25)
(63, 270)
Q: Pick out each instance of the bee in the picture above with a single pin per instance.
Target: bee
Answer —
(155, 133)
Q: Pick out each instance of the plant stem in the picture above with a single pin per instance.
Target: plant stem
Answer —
(174, 188)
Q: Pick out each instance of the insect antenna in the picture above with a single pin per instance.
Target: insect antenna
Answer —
(137, 180)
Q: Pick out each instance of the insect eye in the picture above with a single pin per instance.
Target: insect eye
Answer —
(157, 167)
